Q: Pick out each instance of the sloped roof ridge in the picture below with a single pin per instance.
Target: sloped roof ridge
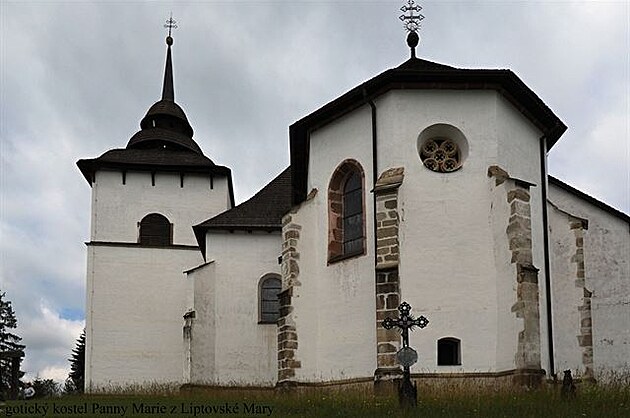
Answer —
(592, 200)
(422, 64)
(263, 210)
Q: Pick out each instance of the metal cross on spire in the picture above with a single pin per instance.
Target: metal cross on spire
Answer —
(411, 20)
(168, 92)
(170, 24)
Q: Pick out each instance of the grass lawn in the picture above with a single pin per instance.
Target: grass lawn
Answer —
(591, 401)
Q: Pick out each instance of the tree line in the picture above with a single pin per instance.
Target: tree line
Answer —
(10, 344)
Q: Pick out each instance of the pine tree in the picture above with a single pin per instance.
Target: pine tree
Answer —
(45, 388)
(77, 366)
(8, 340)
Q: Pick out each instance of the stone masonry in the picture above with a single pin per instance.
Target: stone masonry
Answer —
(387, 280)
(585, 338)
(527, 304)
(287, 332)
(519, 232)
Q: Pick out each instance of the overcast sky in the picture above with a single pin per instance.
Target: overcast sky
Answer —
(76, 78)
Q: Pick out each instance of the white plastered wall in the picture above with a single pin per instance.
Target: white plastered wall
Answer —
(230, 347)
(607, 271)
(449, 231)
(134, 316)
(519, 153)
(335, 304)
(567, 297)
(201, 299)
(117, 208)
(135, 295)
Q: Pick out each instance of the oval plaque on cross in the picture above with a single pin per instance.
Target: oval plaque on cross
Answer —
(407, 356)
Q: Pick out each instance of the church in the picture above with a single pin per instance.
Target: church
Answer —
(426, 184)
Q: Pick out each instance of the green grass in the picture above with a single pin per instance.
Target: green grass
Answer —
(591, 401)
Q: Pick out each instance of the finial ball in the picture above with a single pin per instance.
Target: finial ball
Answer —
(169, 41)
(413, 39)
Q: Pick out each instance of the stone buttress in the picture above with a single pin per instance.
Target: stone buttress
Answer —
(387, 279)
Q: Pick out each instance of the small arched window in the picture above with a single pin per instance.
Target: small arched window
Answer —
(155, 230)
(449, 352)
(268, 303)
(346, 217)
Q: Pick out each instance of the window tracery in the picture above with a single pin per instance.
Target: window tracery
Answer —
(441, 155)
(346, 214)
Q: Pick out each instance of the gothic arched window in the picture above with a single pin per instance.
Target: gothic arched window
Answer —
(352, 214)
(346, 214)
(449, 352)
(155, 230)
(268, 303)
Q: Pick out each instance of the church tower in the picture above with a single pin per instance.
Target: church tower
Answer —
(145, 199)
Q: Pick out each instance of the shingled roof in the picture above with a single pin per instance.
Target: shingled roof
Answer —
(164, 143)
(263, 211)
(160, 159)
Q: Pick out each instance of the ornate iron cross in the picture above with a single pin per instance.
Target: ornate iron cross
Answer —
(170, 24)
(411, 21)
(405, 322)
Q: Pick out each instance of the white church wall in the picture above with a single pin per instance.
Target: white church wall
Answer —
(202, 300)
(447, 270)
(305, 299)
(244, 352)
(136, 295)
(336, 303)
(519, 154)
(567, 296)
(134, 316)
(445, 217)
(117, 208)
(607, 268)
(508, 325)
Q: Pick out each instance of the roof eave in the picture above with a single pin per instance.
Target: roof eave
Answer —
(241, 227)
(89, 166)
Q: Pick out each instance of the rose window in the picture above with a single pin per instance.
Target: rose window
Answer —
(441, 155)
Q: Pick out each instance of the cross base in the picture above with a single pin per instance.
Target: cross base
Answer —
(407, 391)
(386, 380)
